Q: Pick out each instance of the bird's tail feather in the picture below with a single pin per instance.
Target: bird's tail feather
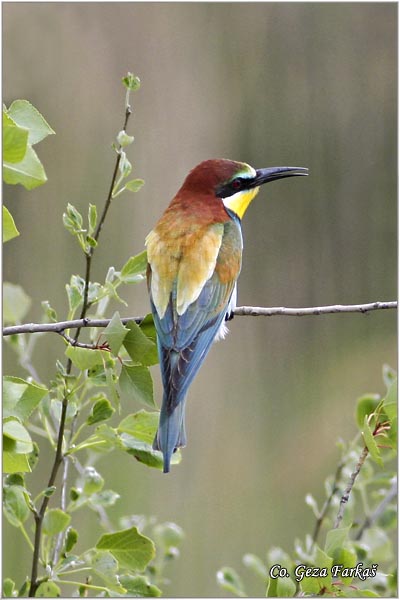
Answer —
(171, 432)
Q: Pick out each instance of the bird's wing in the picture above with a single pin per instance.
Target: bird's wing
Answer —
(181, 259)
(185, 337)
(184, 340)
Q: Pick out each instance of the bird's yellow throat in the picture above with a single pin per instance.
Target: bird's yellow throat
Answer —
(239, 202)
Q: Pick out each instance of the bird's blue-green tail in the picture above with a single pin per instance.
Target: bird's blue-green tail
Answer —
(171, 432)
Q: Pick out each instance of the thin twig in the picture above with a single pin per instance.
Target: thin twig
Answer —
(346, 494)
(240, 311)
(328, 501)
(370, 520)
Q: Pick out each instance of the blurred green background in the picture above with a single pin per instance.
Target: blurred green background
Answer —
(305, 84)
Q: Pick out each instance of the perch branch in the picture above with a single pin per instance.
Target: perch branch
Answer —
(240, 311)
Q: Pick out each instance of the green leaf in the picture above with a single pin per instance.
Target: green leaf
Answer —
(169, 535)
(73, 222)
(14, 505)
(148, 327)
(371, 444)
(132, 550)
(390, 401)
(23, 590)
(105, 498)
(20, 397)
(138, 586)
(105, 565)
(134, 185)
(378, 545)
(134, 269)
(16, 438)
(15, 140)
(15, 479)
(49, 491)
(71, 538)
(91, 241)
(125, 166)
(131, 82)
(101, 411)
(282, 587)
(92, 218)
(29, 172)
(313, 585)
(348, 558)
(137, 432)
(48, 589)
(15, 463)
(229, 580)
(312, 503)
(366, 405)
(8, 588)
(75, 297)
(115, 333)
(16, 303)
(277, 556)
(136, 381)
(55, 521)
(389, 375)
(390, 408)
(93, 482)
(140, 348)
(335, 539)
(49, 312)
(144, 452)
(85, 358)
(124, 139)
(9, 229)
(142, 425)
(255, 564)
(26, 115)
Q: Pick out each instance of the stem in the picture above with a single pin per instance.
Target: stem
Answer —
(59, 457)
(346, 494)
(86, 585)
(328, 501)
(26, 536)
(109, 197)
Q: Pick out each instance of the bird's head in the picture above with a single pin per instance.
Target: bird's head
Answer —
(234, 183)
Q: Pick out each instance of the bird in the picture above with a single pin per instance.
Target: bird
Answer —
(194, 257)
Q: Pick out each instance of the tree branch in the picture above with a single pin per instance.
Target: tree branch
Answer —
(346, 494)
(240, 311)
(59, 456)
(255, 311)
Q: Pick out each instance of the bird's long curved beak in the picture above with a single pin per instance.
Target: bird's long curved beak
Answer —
(272, 173)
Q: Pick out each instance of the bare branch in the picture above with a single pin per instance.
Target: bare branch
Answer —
(255, 311)
(240, 311)
(346, 494)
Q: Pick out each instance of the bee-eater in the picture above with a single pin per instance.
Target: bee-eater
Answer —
(194, 258)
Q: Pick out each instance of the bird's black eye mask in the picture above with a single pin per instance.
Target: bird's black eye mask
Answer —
(235, 185)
